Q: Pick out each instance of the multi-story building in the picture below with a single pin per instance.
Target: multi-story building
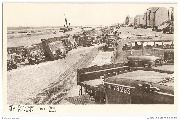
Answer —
(139, 21)
(155, 16)
(131, 21)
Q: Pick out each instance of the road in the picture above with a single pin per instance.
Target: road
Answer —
(102, 58)
(25, 83)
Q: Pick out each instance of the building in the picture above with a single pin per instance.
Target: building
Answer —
(155, 16)
(139, 21)
(131, 21)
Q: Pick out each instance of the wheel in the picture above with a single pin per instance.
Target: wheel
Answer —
(36, 62)
(9, 68)
(149, 65)
(23, 60)
(56, 58)
(14, 66)
(164, 31)
(31, 62)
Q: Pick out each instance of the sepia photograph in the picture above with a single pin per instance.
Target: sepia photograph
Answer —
(89, 54)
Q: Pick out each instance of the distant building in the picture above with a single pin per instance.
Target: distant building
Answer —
(155, 16)
(131, 21)
(139, 21)
(171, 13)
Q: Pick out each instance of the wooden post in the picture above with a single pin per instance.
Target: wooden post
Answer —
(81, 89)
(142, 48)
(162, 44)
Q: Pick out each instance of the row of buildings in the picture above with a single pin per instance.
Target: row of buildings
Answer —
(154, 17)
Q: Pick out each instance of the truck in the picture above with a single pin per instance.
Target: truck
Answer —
(122, 84)
(35, 54)
(140, 87)
(109, 42)
(144, 61)
(53, 50)
(88, 41)
(11, 63)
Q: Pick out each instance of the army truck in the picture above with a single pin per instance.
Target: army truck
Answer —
(53, 50)
(35, 54)
(11, 63)
(122, 84)
(144, 61)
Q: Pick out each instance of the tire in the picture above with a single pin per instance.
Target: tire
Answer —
(36, 62)
(31, 62)
(14, 66)
(150, 66)
(56, 58)
(23, 60)
(164, 31)
(9, 68)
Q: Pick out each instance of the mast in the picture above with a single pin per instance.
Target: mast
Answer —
(66, 22)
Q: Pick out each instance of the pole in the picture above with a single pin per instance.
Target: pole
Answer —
(142, 48)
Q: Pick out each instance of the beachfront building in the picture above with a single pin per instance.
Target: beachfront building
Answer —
(155, 16)
(139, 21)
(131, 21)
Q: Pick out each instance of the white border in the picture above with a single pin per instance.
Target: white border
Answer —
(79, 117)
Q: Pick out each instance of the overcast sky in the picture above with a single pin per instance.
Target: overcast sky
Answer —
(27, 14)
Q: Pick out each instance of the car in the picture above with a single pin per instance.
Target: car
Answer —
(144, 61)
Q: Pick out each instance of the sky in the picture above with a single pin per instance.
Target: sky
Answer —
(51, 14)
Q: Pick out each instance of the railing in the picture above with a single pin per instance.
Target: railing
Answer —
(96, 72)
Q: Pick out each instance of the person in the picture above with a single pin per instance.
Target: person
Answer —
(136, 45)
(116, 44)
(115, 32)
(131, 52)
(63, 52)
